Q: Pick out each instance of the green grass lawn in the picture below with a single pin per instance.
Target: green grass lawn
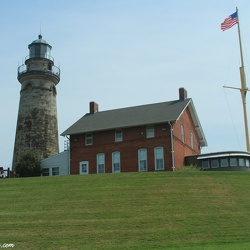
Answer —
(182, 210)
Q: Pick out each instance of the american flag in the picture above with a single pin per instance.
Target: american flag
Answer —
(229, 21)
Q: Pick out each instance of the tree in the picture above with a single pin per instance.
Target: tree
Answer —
(29, 165)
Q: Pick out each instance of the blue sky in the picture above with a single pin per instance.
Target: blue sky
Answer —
(121, 53)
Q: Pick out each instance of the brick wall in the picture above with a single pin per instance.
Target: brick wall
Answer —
(181, 148)
(133, 140)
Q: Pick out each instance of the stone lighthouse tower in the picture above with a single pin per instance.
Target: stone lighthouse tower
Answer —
(37, 128)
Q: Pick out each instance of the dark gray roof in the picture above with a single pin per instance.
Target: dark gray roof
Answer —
(134, 116)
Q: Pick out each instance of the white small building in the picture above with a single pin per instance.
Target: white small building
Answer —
(56, 165)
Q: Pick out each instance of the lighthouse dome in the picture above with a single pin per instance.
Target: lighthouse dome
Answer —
(40, 48)
(40, 40)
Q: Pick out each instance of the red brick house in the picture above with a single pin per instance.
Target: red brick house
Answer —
(153, 137)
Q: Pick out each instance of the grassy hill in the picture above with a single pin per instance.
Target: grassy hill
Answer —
(185, 210)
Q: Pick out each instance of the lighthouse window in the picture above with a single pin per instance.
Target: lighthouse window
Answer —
(49, 66)
(43, 51)
(37, 50)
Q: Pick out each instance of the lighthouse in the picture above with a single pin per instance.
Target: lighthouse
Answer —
(37, 126)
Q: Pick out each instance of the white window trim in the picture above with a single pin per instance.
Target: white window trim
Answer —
(97, 163)
(182, 134)
(50, 171)
(80, 167)
(155, 149)
(150, 131)
(113, 171)
(118, 139)
(86, 139)
(53, 171)
(139, 164)
(192, 140)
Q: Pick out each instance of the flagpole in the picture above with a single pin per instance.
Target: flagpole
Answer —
(244, 88)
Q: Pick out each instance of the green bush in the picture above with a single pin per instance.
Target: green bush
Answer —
(190, 168)
(29, 165)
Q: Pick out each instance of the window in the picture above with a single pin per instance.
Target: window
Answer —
(45, 172)
(142, 159)
(101, 163)
(55, 171)
(118, 135)
(37, 50)
(233, 162)
(84, 167)
(205, 164)
(241, 162)
(116, 165)
(159, 162)
(49, 66)
(192, 140)
(182, 134)
(150, 131)
(214, 163)
(88, 139)
(247, 163)
(224, 162)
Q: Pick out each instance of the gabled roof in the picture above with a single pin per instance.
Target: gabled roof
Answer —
(136, 116)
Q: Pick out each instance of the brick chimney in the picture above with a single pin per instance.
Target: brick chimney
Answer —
(182, 94)
(93, 107)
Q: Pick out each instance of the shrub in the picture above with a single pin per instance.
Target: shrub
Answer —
(29, 165)
(190, 168)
